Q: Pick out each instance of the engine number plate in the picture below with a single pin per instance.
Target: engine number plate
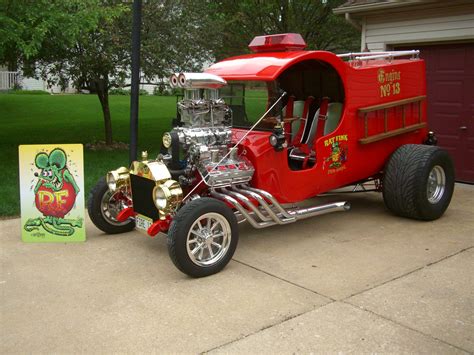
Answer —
(143, 222)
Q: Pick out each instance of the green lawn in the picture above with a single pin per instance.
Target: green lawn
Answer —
(45, 119)
(55, 119)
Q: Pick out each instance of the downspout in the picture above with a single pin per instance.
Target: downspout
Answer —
(353, 22)
(363, 42)
(360, 26)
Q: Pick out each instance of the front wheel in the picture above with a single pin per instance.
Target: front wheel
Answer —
(104, 206)
(418, 182)
(203, 237)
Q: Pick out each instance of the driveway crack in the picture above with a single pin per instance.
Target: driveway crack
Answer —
(286, 319)
(284, 280)
(407, 273)
(405, 326)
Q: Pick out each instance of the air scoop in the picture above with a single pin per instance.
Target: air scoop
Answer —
(197, 81)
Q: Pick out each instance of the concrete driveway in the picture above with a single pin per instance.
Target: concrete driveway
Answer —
(361, 281)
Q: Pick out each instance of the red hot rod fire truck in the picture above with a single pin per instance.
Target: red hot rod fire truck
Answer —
(257, 133)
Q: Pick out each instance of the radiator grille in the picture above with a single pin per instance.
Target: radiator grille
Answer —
(142, 195)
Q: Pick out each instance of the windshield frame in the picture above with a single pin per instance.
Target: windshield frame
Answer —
(242, 112)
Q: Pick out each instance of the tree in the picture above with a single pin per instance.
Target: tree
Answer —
(88, 42)
(94, 53)
(65, 41)
(241, 20)
(27, 26)
(98, 60)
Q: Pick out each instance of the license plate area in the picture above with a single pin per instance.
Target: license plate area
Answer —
(143, 222)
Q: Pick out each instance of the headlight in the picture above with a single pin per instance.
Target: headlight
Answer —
(160, 198)
(116, 179)
(167, 196)
(167, 140)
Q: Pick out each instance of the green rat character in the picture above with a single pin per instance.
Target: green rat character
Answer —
(55, 193)
(53, 171)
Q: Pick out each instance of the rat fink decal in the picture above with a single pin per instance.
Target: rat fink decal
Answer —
(337, 154)
(55, 192)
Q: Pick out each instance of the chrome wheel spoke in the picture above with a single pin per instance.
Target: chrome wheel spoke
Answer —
(436, 184)
(211, 253)
(196, 233)
(192, 241)
(195, 250)
(111, 206)
(208, 239)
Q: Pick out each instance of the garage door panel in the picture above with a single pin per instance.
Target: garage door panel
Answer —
(450, 60)
(448, 142)
(445, 121)
(448, 92)
(450, 100)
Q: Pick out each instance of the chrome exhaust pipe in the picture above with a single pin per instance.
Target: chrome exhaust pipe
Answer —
(275, 212)
(270, 198)
(248, 203)
(233, 202)
(266, 206)
(303, 213)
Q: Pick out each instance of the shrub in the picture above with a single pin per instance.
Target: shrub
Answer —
(123, 92)
(119, 91)
(166, 91)
(28, 92)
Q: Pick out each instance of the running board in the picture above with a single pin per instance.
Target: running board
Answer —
(268, 211)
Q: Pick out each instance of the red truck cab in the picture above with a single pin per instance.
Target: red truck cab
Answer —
(380, 106)
(258, 133)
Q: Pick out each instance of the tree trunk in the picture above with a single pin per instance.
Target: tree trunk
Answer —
(103, 94)
(12, 65)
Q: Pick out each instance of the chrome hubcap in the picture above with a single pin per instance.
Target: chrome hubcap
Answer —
(208, 239)
(110, 206)
(436, 184)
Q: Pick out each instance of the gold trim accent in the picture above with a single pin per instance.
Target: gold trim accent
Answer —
(173, 194)
(158, 172)
(167, 140)
(153, 170)
(120, 176)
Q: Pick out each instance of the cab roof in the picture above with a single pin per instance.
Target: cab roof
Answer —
(268, 66)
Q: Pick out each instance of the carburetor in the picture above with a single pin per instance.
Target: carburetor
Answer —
(205, 135)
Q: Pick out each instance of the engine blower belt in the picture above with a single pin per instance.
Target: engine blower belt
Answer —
(175, 151)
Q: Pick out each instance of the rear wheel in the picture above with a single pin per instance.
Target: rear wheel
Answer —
(418, 182)
(203, 237)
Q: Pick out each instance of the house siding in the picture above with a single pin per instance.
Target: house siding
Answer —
(33, 84)
(449, 23)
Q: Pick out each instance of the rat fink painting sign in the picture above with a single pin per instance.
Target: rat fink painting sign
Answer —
(52, 193)
(336, 155)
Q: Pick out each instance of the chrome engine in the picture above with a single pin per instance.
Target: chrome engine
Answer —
(204, 135)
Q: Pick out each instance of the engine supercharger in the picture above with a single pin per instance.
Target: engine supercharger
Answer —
(204, 135)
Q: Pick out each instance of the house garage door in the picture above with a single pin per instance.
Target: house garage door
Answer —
(450, 92)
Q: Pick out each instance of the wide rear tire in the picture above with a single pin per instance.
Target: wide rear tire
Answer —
(418, 182)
